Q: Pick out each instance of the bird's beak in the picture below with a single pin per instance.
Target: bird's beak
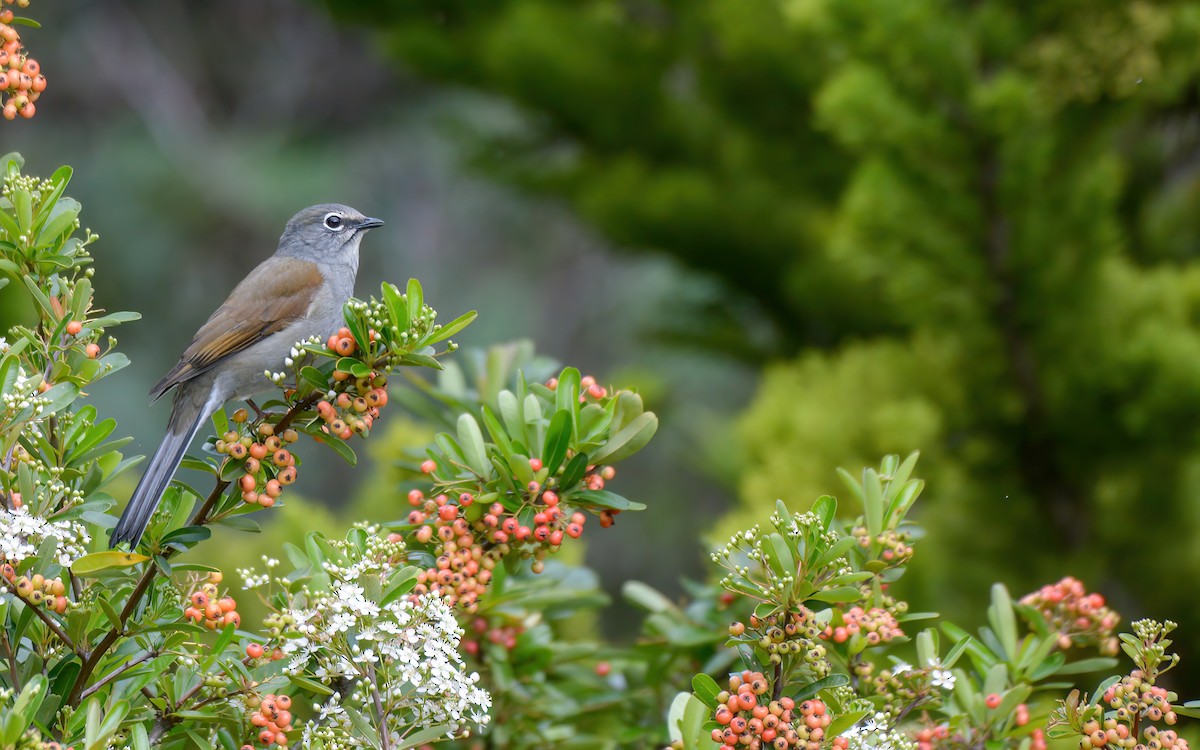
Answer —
(369, 223)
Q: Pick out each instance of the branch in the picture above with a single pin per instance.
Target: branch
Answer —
(12, 661)
(50, 623)
(143, 585)
(135, 597)
(385, 737)
(117, 673)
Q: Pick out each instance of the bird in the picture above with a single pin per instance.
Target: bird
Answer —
(296, 293)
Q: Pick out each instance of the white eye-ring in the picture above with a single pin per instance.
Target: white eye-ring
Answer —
(334, 223)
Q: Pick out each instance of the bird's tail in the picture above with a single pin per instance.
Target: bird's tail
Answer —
(186, 418)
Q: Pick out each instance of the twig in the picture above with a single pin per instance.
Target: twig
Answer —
(385, 737)
(12, 661)
(117, 673)
(50, 623)
(777, 691)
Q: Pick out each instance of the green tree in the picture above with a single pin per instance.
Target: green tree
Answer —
(975, 222)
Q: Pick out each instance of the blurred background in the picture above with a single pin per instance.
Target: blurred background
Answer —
(812, 232)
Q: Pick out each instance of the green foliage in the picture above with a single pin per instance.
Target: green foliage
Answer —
(968, 228)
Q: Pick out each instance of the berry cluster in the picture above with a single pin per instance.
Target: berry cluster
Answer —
(588, 388)
(876, 625)
(784, 634)
(269, 465)
(38, 590)
(927, 736)
(748, 717)
(212, 611)
(272, 713)
(469, 539)
(1135, 699)
(895, 547)
(501, 635)
(345, 414)
(1081, 619)
(21, 79)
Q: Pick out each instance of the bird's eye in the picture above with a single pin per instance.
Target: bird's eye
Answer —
(334, 222)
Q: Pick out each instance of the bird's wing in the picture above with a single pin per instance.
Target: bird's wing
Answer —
(274, 295)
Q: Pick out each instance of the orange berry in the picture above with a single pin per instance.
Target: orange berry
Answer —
(344, 346)
(232, 618)
(227, 604)
(287, 476)
(284, 701)
(266, 501)
(254, 650)
(282, 458)
(274, 488)
(199, 599)
(248, 483)
(93, 349)
(74, 327)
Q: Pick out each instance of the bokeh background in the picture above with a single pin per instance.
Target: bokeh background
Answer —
(812, 232)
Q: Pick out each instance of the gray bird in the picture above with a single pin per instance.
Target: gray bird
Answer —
(296, 293)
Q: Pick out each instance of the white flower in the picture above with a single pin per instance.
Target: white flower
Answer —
(901, 667)
(942, 678)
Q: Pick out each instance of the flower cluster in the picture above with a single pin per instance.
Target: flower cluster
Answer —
(1081, 619)
(398, 654)
(21, 79)
(22, 535)
(874, 733)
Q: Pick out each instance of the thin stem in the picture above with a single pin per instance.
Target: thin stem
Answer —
(12, 661)
(50, 623)
(385, 737)
(118, 672)
(777, 691)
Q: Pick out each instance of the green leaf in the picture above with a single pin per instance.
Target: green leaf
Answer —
(341, 447)
(631, 439)
(838, 595)
(811, 689)
(706, 689)
(309, 685)
(187, 535)
(415, 299)
(558, 439)
(1003, 620)
(825, 509)
(605, 499)
(574, 472)
(451, 328)
(470, 440)
(646, 597)
(424, 736)
(396, 306)
(98, 561)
